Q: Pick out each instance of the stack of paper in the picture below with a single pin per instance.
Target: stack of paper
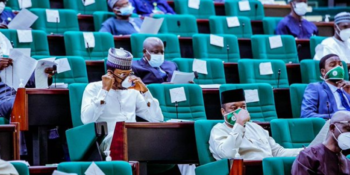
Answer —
(182, 77)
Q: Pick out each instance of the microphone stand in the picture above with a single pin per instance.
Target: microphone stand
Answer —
(243, 25)
(57, 26)
(88, 49)
(228, 52)
(177, 112)
(84, 6)
(278, 79)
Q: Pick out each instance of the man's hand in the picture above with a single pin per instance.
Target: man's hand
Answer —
(344, 84)
(5, 62)
(139, 85)
(50, 71)
(242, 117)
(3, 26)
(107, 81)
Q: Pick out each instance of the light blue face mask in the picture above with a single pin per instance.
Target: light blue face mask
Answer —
(156, 60)
(126, 11)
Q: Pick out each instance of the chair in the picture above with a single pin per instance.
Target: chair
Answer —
(296, 98)
(278, 165)
(206, 8)
(45, 4)
(108, 168)
(256, 11)
(85, 10)
(170, 41)
(68, 21)
(310, 71)
(75, 45)
(181, 25)
(3, 120)
(191, 109)
(100, 17)
(264, 110)
(39, 46)
(218, 25)
(203, 49)
(215, 68)
(262, 50)
(314, 41)
(249, 72)
(21, 168)
(220, 167)
(270, 24)
(295, 133)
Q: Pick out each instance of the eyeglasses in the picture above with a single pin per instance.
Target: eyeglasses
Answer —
(344, 122)
(121, 75)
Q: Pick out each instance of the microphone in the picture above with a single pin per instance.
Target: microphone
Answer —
(84, 6)
(88, 50)
(195, 75)
(278, 78)
(13, 46)
(57, 26)
(243, 25)
(228, 52)
(177, 113)
(54, 67)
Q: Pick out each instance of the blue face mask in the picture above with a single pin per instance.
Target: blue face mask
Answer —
(126, 11)
(156, 60)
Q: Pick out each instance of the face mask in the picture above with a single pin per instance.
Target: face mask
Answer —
(126, 11)
(156, 60)
(2, 7)
(344, 34)
(343, 139)
(126, 83)
(230, 117)
(300, 8)
(337, 73)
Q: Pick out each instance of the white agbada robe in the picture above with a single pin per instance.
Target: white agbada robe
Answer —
(6, 168)
(251, 142)
(332, 45)
(5, 45)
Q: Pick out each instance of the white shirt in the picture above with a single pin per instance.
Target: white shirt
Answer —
(5, 45)
(334, 46)
(251, 142)
(337, 97)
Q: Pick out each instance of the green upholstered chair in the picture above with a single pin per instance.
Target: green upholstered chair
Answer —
(85, 10)
(264, 110)
(295, 133)
(45, 4)
(249, 72)
(278, 165)
(270, 24)
(215, 68)
(203, 49)
(310, 71)
(108, 168)
(256, 11)
(332, 11)
(68, 21)
(39, 46)
(314, 41)
(220, 167)
(21, 168)
(75, 45)
(296, 98)
(181, 25)
(206, 8)
(170, 41)
(100, 17)
(3, 120)
(262, 50)
(191, 109)
(218, 25)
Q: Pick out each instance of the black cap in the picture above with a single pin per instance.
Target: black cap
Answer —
(230, 96)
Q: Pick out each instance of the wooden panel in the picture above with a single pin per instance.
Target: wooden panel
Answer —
(276, 10)
(9, 142)
(20, 109)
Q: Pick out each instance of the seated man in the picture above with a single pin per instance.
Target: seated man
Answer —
(294, 24)
(6, 16)
(323, 99)
(327, 157)
(121, 24)
(339, 44)
(118, 97)
(239, 138)
(7, 168)
(152, 68)
(151, 7)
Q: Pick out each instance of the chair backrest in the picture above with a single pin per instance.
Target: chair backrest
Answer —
(21, 168)
(3, 120)
(68, 21)
(278, 165)
(76, 92)
(14, 4)
(203, 49)
(181, 25)
(191, 109)
(221, 167)
(85, 10)
(170, 41)
(218, 25)
(215, 68)
(100, 17)
(262, 110)
(39, 46)
(205, 10)
(202, 129)
(270, 24)
(262, 50)
(310, 71)
(314, 41)
(108, 168)
(249, 72)
(75, 45)
(295, 133)
(296, 98)
(256, 11)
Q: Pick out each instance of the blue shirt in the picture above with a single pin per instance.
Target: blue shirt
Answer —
(121, 27)
(299, 29)
(6, 17)
(145, 7)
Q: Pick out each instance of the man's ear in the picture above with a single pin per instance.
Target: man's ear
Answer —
(331, 127)
(144, 51)
(223, 111)
(323, 72)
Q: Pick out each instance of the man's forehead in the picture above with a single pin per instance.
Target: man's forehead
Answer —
(122, 71)
(236, 103)
(333, 58)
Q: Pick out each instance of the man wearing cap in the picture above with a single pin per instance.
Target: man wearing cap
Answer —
(6, 16)
(122, 23)
(151, 7)
(237, 137)
(339, 44)
(120, 96)
(294, 24)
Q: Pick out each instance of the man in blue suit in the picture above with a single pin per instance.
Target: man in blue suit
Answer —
(6, 16)
(152, 68)
(151, 7)
(323, 99)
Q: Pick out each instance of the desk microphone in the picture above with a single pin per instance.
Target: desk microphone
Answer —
(54, 67)
(278, 78)
(228, 52)
(243, 25)
(84, 6)
(195, 75)
(88, 50)
(57, 26)
(177, 112)
(13, 46)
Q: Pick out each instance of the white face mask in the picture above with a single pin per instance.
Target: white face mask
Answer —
(343, 140)
(300, 8)
(2, 7)
(343, 34)
(126, 83)
(156, 60)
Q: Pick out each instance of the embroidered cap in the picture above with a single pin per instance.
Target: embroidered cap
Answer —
(119, 59)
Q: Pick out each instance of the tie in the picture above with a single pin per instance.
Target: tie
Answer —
(343, 100)
(135, 26)
(162, 73)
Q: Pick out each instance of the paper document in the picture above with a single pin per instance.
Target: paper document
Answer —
(25, 36)
(199, 66)
(94, 170)
(151, 25)
(244, 5)
(58, 85)
(216, 40)
(88, 2)
(275, 41)
(251, 95)
(41, 78)
(265, 68)
(52, 16)
(23, 20)
(62, 65)
(24, 4)
(24, 51)
(182, 77)
(89, 39)
(232, 21)
(56, 172)
(177, 94)
(194, 4)
(210, 86)
(178, 120)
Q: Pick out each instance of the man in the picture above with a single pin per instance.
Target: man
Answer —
(327, 157)
(6, 16)
(152, 68)
(239, 138)
(294, 24)
(151, 7)
(6, 168)
(121, 24)
(339, 44)
(120, 96)
(323, 99)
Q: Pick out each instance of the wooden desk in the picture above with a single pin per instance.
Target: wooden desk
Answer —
(325, 28)
(9, 142)
(276, 10)
(246, 167)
